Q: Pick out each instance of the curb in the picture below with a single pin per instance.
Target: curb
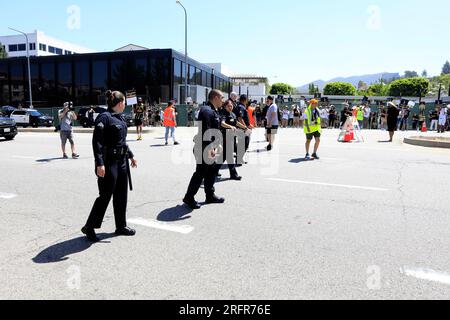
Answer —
(75, 130)
(428, 142)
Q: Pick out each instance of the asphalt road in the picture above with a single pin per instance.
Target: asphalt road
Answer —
(367, 221)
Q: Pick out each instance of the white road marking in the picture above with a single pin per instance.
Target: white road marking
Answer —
(161, 225)
(7, 196)
(330, 184)
(427, 274)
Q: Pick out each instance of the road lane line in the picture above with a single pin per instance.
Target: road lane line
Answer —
(161, 225)
(427, 274)
(7, 196)
(329, 184)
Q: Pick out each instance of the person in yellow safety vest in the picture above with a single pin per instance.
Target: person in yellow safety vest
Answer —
(170, 122)
(360, 117)
(313, 128)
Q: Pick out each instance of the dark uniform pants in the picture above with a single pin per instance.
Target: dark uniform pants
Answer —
(246, 142)
(206, 173)
(229, 158)
(114, 184)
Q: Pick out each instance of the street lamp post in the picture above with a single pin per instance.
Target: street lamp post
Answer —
(29, 67)
(185, 53)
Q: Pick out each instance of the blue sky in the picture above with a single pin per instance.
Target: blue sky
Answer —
(285, 40)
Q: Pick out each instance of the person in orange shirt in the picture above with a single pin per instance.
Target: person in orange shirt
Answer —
(251, 115)
(170, 122)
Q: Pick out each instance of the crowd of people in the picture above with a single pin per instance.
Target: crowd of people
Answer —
(369, 118)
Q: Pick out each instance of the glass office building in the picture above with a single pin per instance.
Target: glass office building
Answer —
(157, 75)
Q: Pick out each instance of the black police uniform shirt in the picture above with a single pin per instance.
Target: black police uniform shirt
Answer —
(110, 133)
(210, 119)
(241, 112)
(228, 118)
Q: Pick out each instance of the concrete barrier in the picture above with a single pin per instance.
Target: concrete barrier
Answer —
(429, 142)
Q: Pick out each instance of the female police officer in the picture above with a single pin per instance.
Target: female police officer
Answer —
(112, 168)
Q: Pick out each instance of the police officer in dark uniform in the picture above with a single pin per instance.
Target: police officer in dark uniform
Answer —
(112, 156)
(243, 118)
(229, 126)
(207, 141)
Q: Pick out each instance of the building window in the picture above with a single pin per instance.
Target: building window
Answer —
(42, 47)
(12, 47)
(22, 47)
(55, 50)
(32, 46)
(68, 53)
(192, 75)
(82, 82)
(65, 80)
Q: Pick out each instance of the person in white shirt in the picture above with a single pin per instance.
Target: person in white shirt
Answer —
(367, 113)
(285, 118)
(272, 122)
(291, 118)
(324, 116)
(442, 118)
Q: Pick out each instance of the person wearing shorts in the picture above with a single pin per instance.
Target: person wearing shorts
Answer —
(312, 128)
(272, 122)
(66, 117)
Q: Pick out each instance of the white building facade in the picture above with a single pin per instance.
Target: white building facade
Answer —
(254, 87)
(40, 45)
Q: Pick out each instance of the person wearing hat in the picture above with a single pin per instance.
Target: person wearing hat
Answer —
(312, 128)
(392, 118)
(139, 115)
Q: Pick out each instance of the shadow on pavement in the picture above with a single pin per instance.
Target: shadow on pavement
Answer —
(387, 141)
(49, 160)
(61, 251)
(158, 146)
(178, 213)
(299, 160)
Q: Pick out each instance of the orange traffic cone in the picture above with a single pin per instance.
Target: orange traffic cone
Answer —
(424, 127)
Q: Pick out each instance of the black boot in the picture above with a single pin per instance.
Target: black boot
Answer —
(90, 234)
(127, 232)
(214, 199)
(191, 203)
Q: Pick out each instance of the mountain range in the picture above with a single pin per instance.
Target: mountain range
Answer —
(368, 79)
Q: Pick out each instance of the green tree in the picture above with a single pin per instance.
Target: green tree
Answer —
(443, 81)
(411, 74)
(424, 74)
(313, 89)
(446, 68)
(362, 86)
(412, 87)
(281, 88)
(339, 89)
(3, 53)
(378, 89)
